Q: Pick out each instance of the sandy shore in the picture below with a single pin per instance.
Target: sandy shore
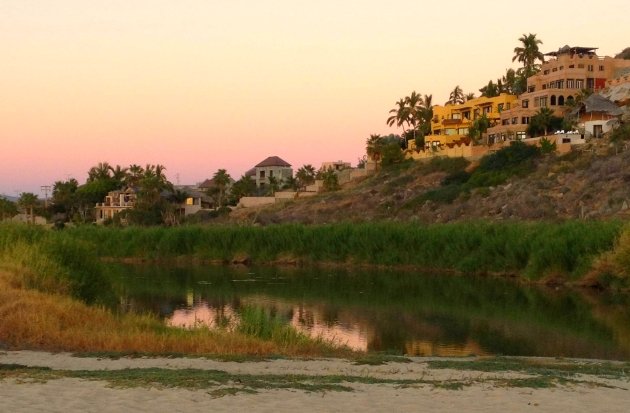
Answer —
(481, 394)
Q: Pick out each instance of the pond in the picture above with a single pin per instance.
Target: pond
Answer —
(375, 310)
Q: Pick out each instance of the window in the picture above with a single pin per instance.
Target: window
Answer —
(553, 100)
(520, 135)
(545, 86)
(561, 67)
(581, 66)
(508, 106)
(601, 68)
(525, 103)
(525, 120)
(487, 109)
(570, 84)
(590, 83)
(462, 131)
(546, 72)
(531, 89)
(456, 116)
(466, 115)
(262, 174)
(500, 107)
(505, 122)
(514, 121)
(571, 66)
(560, 84)
(554, 69)
(590, 68)
(579, 84)
(536, 102)
(270, 174)
(450, 132)
(543, 101)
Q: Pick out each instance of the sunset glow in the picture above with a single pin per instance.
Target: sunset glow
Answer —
(199, 85)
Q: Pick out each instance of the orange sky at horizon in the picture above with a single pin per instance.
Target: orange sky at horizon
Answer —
(199, 85)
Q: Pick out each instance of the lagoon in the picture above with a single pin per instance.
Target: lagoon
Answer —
(398, 312)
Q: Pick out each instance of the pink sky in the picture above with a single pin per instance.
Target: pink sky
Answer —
(198, 85)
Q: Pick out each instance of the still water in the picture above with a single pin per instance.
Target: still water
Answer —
(400, 312)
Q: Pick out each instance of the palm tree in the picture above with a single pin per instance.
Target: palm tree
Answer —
(119, 175)
(456, 96)
(134, 175)
(221, 179)
(305, 176)
(99, 172)
(528, 53)
(400, 114)
(469, 96)
(28, 201)
(374, 148)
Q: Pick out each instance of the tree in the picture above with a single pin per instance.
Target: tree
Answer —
(8, 209)
(374, 148)
(490, 90)
(274, 185)
(469, 96)
(543, 122)
(399, 115)
(102, 171)
(528, 53)
(478, 128)
(222, 180)
(304, 176)
(245, 186)
(330, 180)
(456, 96)
(64, 197)
(28, 201)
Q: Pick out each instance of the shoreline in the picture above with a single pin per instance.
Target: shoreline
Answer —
(89, 384)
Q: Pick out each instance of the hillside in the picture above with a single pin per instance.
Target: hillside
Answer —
(591, 182)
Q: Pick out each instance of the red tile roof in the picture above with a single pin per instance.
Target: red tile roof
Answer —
(273, 161)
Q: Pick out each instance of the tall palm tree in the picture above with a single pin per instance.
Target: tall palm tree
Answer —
(456, 96)
(119, 175)
(528, 53)
(399, 115)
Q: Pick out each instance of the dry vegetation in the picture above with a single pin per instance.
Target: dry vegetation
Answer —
(589, 183)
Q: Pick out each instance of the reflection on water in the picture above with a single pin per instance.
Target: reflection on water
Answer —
(414, 314)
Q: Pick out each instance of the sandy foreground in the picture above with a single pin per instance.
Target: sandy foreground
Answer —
(483, 395)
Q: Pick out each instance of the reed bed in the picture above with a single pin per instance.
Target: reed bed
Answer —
(529, 249)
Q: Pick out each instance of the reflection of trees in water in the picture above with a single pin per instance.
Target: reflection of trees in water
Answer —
(407, 312)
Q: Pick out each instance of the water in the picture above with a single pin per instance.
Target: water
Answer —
(403, 313)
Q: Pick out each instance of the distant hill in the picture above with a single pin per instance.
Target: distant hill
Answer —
(9, 198)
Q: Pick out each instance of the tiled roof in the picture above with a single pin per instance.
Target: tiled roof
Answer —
(273, 161)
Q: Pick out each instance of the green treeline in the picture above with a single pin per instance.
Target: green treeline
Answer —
(530, 249)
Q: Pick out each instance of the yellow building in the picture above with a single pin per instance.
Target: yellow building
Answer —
(451, 123)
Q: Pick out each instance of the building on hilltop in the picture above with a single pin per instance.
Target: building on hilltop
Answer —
(556, 86)
(451, 123)
(272, 167)
(114, 203)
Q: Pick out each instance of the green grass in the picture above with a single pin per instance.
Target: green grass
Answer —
(523, 248)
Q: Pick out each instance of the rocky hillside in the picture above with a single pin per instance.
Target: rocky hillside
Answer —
(592, 182)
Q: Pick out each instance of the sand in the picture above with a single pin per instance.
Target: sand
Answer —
(77, 395)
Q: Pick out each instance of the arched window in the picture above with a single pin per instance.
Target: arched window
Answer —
(570, 100)
(552, 101)
(561, 100)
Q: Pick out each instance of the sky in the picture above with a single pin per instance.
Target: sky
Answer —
(198, 85)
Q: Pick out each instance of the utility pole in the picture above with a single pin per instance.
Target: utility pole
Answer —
(45, 189)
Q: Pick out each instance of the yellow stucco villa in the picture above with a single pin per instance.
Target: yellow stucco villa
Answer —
(451, 123)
